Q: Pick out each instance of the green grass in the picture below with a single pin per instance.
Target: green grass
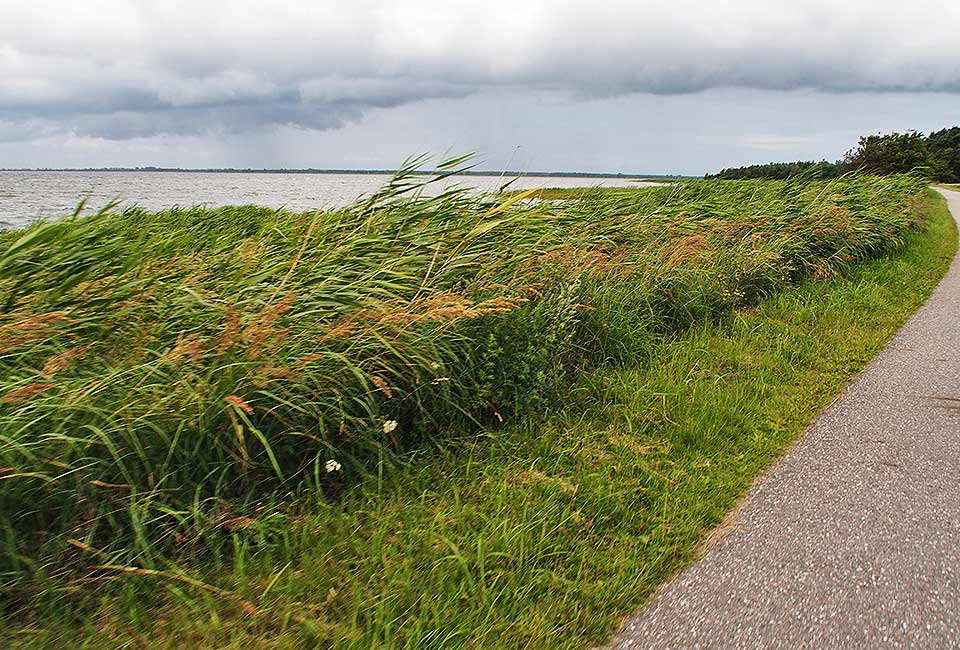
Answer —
(162, 373)
(541, 534)
(586, 193)
(562, 193)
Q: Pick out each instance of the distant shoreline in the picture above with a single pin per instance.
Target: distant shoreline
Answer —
(387, 172)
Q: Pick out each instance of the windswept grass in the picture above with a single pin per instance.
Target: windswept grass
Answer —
(540, 534)
(166, 378)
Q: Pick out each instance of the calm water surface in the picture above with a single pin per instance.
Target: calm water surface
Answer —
(27, 196)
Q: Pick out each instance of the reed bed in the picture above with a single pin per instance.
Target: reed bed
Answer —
(168, 376)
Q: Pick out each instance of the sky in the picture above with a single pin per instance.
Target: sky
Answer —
(676, 87)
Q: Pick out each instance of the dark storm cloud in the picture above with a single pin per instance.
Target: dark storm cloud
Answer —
(120, 113)
(122, 69)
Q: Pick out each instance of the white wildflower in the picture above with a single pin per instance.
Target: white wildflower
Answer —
(439, 380)
(332, 466)
(389, 426)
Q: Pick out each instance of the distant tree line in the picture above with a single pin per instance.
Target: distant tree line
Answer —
(822, 169)
(936, 155)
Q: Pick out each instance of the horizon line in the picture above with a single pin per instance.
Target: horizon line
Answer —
(317, 170)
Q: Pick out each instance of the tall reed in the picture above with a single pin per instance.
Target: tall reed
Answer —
(162, 374)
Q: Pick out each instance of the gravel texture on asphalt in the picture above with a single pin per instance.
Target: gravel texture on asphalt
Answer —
(853, 539)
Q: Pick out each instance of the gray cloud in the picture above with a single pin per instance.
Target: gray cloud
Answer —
(535, 130)
(122, 69)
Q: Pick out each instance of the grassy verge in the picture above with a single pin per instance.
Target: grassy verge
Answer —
(544, 533)
(563, 193)
(581, 193)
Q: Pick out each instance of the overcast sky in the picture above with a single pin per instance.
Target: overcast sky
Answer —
(656, 87)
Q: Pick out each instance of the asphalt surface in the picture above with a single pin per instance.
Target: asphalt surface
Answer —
(853, 539)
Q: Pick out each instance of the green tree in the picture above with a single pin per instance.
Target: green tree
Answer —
(889, 154)
(944, 148)
(822, 169)
(937, 155)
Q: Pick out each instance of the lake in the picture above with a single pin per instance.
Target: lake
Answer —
(27, 196)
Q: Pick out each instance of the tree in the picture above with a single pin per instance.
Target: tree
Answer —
(936, 155)
(944, 148)
(893, 153)
(822, 169)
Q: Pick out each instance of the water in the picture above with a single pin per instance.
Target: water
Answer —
(27, 196)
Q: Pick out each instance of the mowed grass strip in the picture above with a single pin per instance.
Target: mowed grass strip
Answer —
(579, 193)
(546, 533)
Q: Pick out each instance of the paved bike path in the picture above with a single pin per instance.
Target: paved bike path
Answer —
(853, 539)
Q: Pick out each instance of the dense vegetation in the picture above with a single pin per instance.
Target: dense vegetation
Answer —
(163, 376)
(781, 171)
(541, 534)
(936, 155)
